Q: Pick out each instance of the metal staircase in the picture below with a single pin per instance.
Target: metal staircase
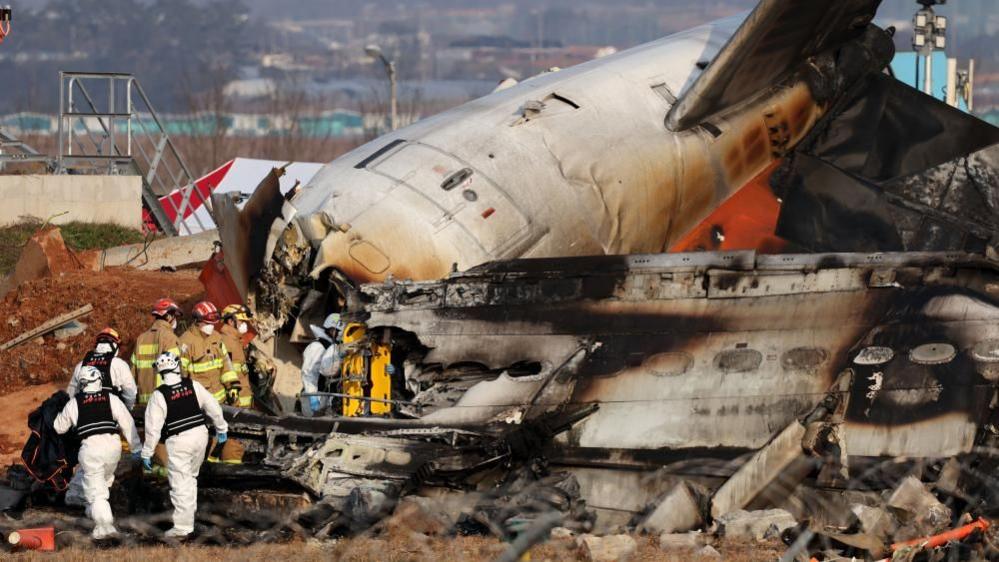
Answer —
(107, 125)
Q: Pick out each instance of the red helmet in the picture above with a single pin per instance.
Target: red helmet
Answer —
(166, 306)
(110, 335)
(205, 311)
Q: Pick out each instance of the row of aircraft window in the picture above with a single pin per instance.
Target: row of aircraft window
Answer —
(805, 359)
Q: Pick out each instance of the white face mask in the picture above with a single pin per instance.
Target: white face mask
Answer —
(242, 328)
(173, 323)
(104, 348)
(207, 329)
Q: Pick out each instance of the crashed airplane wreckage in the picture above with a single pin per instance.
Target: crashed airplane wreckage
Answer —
(535, 371)
(654, 391)
(740, 375)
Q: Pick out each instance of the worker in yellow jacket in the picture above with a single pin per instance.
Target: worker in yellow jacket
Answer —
(205, 358)
(234, 329)
(159, 338)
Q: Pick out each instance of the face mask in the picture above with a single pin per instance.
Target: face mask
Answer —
(171, 377)
(242, 328)
(207, 329)
(173, 323)
(104, 348)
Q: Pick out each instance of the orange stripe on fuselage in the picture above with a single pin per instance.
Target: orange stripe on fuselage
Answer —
(746, 221)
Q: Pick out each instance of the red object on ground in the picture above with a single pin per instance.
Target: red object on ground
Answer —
(746, 221)
(171, 203)
(42, 539)
(943, 538)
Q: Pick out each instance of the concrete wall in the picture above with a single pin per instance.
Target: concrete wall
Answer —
(111, 199)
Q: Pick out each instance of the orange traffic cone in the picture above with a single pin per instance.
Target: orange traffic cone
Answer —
(34, 539)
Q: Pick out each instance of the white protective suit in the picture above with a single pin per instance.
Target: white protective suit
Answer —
(99, 455)
(121, 376)
(320, 358)
(186, 451)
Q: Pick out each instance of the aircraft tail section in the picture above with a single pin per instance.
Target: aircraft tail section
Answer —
(778, 38)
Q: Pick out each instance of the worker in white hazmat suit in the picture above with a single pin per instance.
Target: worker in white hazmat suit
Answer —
(98, 416)
(116, 376)
(321, 358)
(176, 412)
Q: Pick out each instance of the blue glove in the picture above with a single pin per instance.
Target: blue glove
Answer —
(222, 437)
(147, 464)
(137, 456)
(390, 369)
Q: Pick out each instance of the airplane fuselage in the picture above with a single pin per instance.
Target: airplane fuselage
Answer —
(573, 162)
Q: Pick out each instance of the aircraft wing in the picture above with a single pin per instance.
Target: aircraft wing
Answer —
(776, 38)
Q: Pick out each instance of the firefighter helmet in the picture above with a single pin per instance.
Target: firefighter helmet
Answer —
(206, 312)
(109, 335)
(166, 306)
(237, 311)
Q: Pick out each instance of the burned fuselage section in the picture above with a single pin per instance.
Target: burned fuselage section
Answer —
(696, 351)
(668, 369)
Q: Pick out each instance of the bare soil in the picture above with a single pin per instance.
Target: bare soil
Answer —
(14, 409)
(121, 299)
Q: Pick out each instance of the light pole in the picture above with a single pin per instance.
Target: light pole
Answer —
(375, 52)
(929, 33)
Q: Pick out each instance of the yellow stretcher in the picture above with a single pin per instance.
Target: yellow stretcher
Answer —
(365, 374)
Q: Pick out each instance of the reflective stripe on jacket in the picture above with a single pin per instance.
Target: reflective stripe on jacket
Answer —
(241, 373)
(148, 346)
(206, 360)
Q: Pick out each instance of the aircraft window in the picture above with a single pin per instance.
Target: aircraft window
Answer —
(874, 355)
(986, 351)
(932, 354)
(456, 179)
(738, 360)
(986, 356)
(523, 369)
(378, 154)
(803, 359)
(668, 364)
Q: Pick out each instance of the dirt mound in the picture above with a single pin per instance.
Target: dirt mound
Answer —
(121, 299)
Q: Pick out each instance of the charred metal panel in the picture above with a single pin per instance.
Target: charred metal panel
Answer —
(676, 367)
(892, 169)
(725, 285)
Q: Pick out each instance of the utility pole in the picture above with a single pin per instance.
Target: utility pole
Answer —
(375, 52)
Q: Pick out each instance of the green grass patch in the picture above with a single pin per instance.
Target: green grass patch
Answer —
(78, 236)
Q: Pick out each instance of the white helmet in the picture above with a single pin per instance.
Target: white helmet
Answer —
(167, 363)
(90, 379)
(333, 321)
